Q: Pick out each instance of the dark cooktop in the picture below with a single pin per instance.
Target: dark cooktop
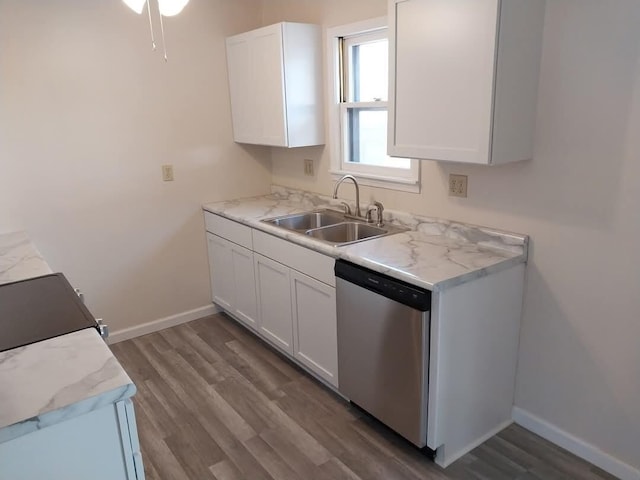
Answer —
(40, 308)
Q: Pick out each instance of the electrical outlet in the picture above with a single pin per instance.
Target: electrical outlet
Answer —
(308, 167)
(167, 173)
(457, 185)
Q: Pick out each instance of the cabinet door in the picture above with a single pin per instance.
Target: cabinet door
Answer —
(274, 302)
(256, 86)
(442, 64)
(245, 124)
(315, 325)
(221, 270)
(245, 307)
(129, 432)
(268, 85)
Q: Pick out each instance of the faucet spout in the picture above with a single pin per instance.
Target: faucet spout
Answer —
(355, 183)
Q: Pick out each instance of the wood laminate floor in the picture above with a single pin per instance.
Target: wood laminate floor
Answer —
(214, 402)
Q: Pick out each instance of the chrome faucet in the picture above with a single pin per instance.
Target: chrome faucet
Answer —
(355, 182)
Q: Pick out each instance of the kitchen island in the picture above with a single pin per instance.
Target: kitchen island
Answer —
(65, 400)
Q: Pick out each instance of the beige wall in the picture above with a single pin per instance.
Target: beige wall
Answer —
(87, 116)
(578, 199)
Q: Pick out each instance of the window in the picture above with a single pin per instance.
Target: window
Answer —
(358, 110)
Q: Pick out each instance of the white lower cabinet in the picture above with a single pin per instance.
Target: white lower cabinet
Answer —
(283, 291)
(246, 306)
(298, 314)
(232, 278)
(221, 270)
(99, 445)
(274, 302)
(315, 325)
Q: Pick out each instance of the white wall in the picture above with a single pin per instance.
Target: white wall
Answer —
(579, 200)
(88, 114)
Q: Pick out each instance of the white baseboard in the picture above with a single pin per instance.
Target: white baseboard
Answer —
(449, 459)
(575, 445)
(162, 323)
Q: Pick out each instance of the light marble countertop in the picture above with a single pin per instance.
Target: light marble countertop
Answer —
(19, 258)
(57, 379)
(433, 253)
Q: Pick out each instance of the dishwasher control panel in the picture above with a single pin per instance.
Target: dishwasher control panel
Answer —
(392, 288)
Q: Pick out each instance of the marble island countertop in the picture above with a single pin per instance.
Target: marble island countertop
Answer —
(57, 379)
(433, 253)
(19, 258)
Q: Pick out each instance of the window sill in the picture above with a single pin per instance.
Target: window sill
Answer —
(379, 181)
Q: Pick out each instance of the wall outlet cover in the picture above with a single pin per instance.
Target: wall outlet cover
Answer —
(458, 185)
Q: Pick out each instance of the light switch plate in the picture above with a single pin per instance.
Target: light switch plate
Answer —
(457, 185)
(167, 173)
(308, 167)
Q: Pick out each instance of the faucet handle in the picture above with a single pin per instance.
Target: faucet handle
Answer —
(377, 206)
(370, 209)
(347, 208)
(380, 209)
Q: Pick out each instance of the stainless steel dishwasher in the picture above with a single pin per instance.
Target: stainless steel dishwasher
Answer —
(383, 348)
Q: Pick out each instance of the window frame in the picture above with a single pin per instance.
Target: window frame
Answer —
(407, 180)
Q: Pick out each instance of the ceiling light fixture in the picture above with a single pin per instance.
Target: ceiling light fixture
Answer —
(135, 5)
(167, 8)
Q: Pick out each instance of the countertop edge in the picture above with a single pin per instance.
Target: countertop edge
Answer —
(482, 272)
(90, 404)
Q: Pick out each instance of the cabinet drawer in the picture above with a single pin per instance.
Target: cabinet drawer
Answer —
(232, 231)
(311, 263)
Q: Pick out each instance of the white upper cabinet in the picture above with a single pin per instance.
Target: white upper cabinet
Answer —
(464, 79)
(275, 83)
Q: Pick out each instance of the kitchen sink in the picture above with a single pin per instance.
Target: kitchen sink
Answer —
(347, 232)
(308, 220)
(332, 227)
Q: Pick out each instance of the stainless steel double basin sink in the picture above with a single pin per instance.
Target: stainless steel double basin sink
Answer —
(332, 227)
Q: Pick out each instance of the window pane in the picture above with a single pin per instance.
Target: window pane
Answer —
(369, 67)
(368, 139)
